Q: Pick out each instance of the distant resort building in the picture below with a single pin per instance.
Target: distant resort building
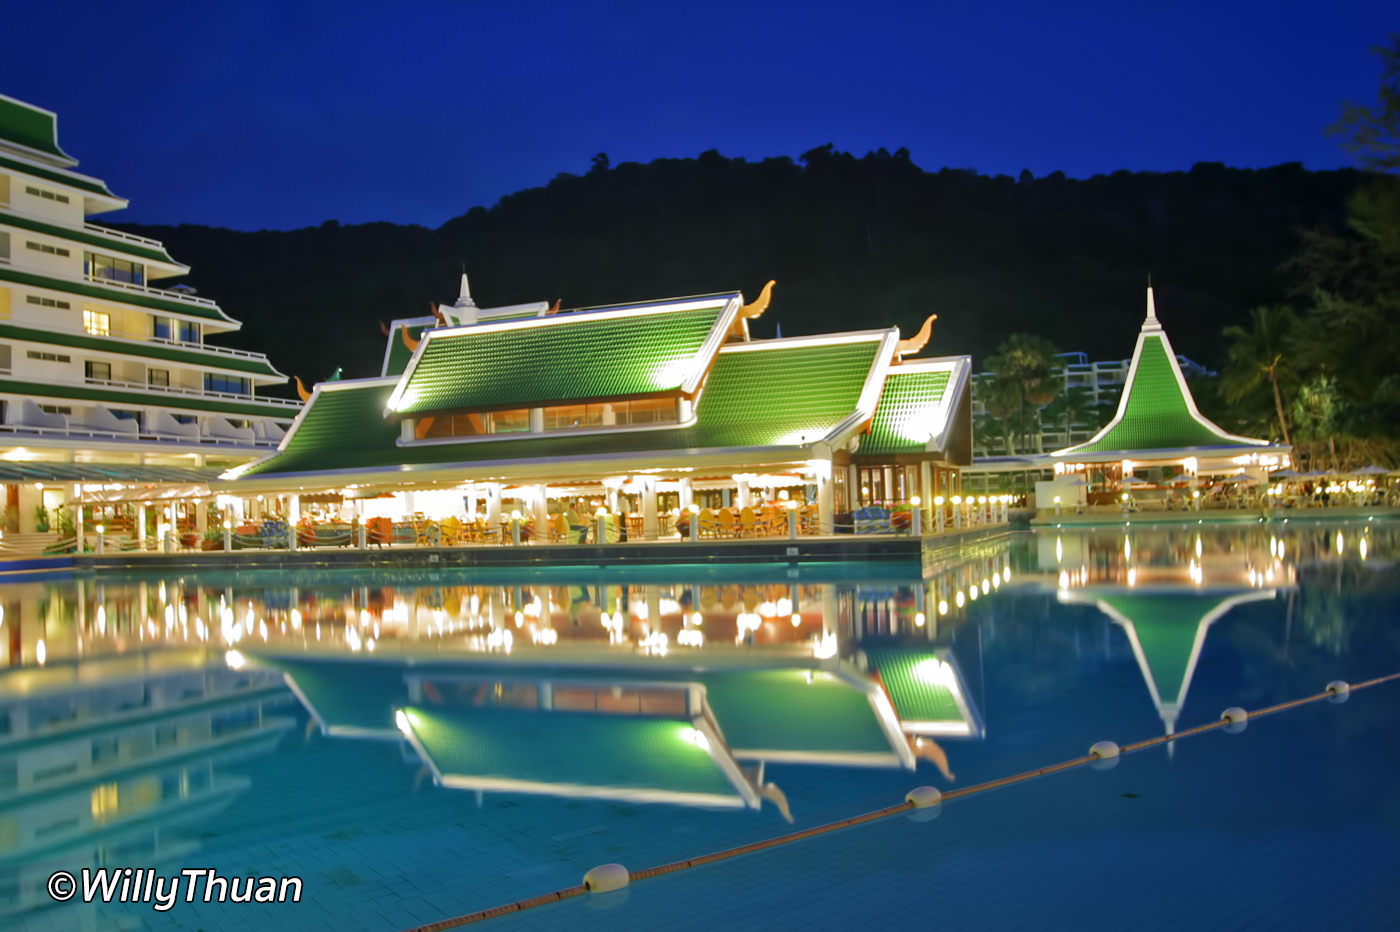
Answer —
(108, 388)
(648, 408)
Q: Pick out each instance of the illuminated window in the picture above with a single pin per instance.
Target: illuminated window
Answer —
(96, 265)
(105, 802)
(159, 377)
(98, 371)
(475, 424)
(97, 323)
(611, 414)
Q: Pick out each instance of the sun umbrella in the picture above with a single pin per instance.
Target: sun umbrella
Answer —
(1134, 480)
(1286, 474)
(1371, 470)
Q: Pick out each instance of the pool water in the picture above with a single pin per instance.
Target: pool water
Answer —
(420, 746)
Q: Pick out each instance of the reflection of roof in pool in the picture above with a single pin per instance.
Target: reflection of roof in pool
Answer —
(347, 698)
(926, 689)
(763, 714)
(576, 754)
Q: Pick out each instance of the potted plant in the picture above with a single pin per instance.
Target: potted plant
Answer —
(213, 539)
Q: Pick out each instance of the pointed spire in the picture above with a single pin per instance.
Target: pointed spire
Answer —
(464, 298)
(1151, 305)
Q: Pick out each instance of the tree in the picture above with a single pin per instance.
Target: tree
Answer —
(1372, 133)
(1025, 381)
(1260, 355)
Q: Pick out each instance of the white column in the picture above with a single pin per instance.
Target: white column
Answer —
(687, 493)
(201, 517)
(537, 420)
(926, 490)
(541, 507)
(141, 525)
(651, 527)
(78, 516)
(826, 504)
(493, 506)
(293, 516)
(408, 508)
(745, 500)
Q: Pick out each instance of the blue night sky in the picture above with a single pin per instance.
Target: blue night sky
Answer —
(279, 115)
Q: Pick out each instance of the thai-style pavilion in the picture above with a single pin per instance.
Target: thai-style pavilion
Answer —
(1158, 423)
(667, 402)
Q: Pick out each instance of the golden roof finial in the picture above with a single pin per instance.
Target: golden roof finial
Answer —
(302, 393)
(408, 341)
(760, 304)
(919, 340)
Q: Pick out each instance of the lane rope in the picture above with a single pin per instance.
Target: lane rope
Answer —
(906, 806)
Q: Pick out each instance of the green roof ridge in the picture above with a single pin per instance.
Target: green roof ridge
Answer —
(142, 400)
(30, 126)
(117, 295)
(58, 177)
(141, 350)
(90, 239)
(569, 359)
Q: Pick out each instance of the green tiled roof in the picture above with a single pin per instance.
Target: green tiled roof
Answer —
(579, 357)
(1166, 629)
(905, 418)
(399, 354)
(568, 748)
(109, 244)
(143, 351)
(153, 399)
(1156, 415)
(778, 710)
(770, 397)
(342, 428)
(116, 295)
(916, 697)
(82, 184)
(29, 126)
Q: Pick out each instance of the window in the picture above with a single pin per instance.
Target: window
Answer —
(96, 265)
(228, 384)
(5, 246)
(55, 409)
(160, 328)
(159, 377)
(611, 414)
(98, 371)
(48, 357)
(4, 357)
(49, 302)
(46, 195)
(45, 247)
(97, 323)
(187, 332)
(475, 424)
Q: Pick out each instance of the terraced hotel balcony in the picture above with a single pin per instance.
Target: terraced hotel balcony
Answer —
(282, 406)
(163, 294)
(128, 237)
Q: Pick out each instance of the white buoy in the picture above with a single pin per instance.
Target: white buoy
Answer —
(606, 877)
(923, 797)
(1339, 689)
(1106, 754)
(1235, 718)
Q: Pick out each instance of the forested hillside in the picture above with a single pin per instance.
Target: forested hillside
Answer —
(853, 242)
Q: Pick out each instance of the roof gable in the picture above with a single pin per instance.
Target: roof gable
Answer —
(1156, 410)
(915, 407)
(573, 357)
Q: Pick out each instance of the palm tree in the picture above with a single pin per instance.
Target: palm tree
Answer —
(1072, 406)
(1260, 354)
(1024, 366)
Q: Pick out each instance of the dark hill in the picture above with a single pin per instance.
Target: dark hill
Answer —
(853, 243)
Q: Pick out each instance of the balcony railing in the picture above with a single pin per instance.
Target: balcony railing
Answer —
(153, 292)
(126, 384)
(203, 347)
(142, 436)
(118, 234)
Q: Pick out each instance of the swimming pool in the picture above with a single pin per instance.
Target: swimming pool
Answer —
(416, 748)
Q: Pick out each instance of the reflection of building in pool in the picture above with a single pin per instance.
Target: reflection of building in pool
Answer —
(101, 759)
(1166, 630)
(641, 406)
(640, 728)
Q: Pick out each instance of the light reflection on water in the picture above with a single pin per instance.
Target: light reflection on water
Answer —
(129, 709)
